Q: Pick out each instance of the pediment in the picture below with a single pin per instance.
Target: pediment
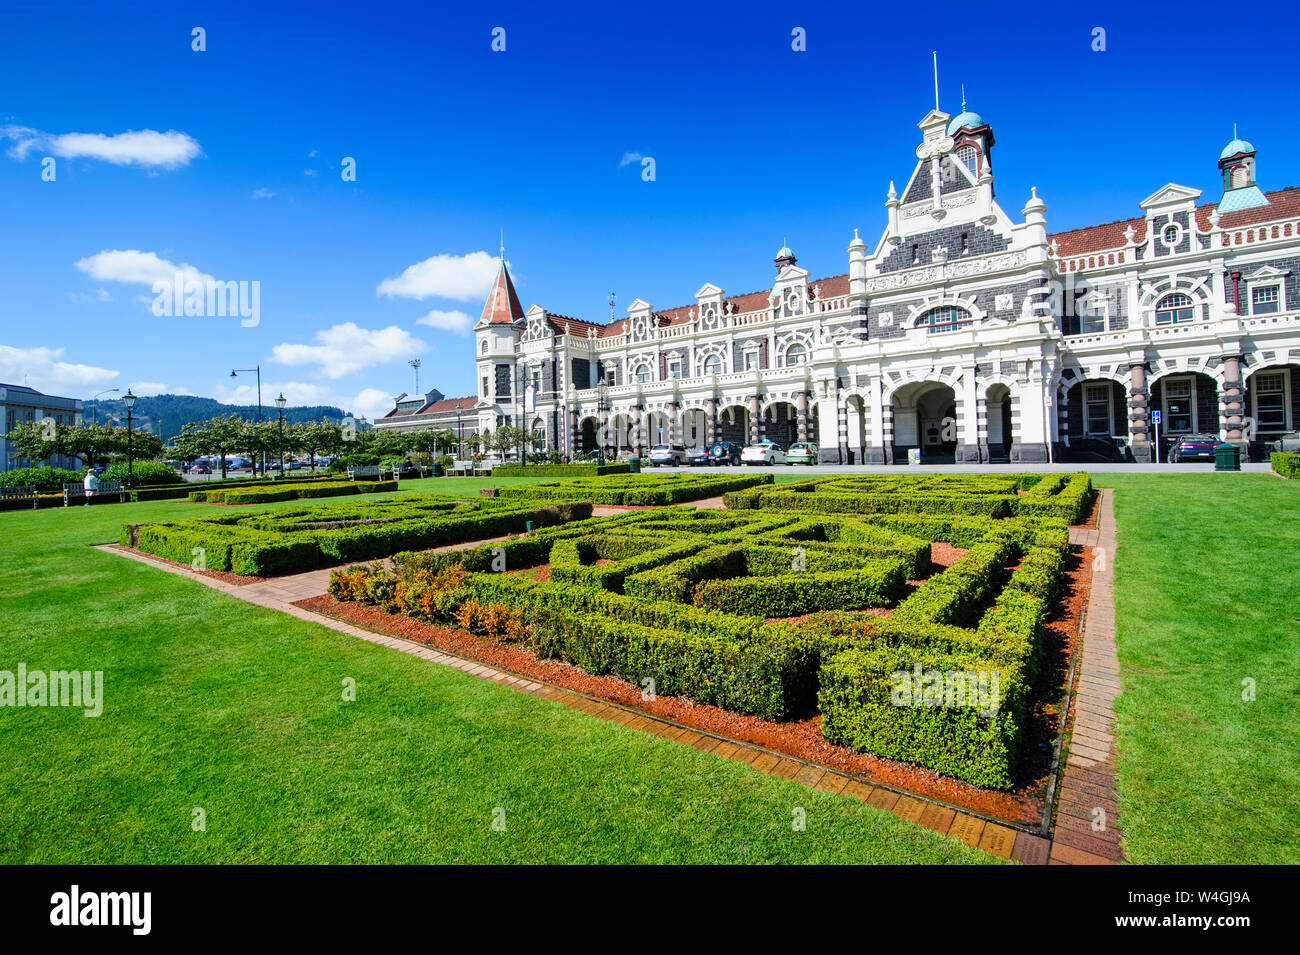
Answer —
(640, 305)
(791, 273)
(1171, 194)
(708, 290)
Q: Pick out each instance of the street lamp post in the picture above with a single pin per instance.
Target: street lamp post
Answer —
(460, 438)
(279, 407)
(128, 399)
(94, 406)
(258, 369)
(602, 410)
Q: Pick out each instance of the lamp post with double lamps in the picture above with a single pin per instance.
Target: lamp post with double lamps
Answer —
(279, 407)
(128, 399)
(94, 404)
(258, 370)
(602, 413)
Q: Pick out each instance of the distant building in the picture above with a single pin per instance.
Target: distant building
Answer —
(432, 412)
(21, 405)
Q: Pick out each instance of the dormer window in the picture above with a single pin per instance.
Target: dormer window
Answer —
(945, 318)
(969, 157)
(1173, 308)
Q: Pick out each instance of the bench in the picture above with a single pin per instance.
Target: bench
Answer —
(76, 491)
(460, 468)
(13, 496)
(370, 472)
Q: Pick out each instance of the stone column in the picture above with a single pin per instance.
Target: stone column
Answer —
(754, 423)
(570, 437)
(672, 423)
(602, 434)
(801, 408)
(1138, 418)
(711, 420)
(1234, 402)
(636, 425)
(969, 404)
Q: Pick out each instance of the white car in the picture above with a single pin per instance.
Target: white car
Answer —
(669, 454)
(763, 453)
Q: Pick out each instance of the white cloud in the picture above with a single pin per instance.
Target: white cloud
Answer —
(263, 193)
(148, 388)
(453, 321)
(312, 154)
(310, 172)
(347, 348)
(465, 278)
(371, 402)
(43, 369)
(139, 268)
(144, 147)
(629, 158)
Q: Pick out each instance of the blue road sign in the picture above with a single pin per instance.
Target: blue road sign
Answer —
(1155, 417)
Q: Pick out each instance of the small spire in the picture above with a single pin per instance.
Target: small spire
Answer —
(1234, 130)
(503, 245)
(963, 97)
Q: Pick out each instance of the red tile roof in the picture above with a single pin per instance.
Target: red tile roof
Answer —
(502, 306)
(1282, 204)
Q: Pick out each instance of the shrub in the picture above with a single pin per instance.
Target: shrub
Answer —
(877, 584)
(143, 474)
(555, 469)
(1285, 463)
(49, 480)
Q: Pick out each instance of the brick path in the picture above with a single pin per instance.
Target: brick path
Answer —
(1087, 797)
(1088, 780)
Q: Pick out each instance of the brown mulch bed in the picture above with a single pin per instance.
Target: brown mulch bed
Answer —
(802, 738)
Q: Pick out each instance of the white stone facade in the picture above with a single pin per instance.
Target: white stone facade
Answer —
(964, 333)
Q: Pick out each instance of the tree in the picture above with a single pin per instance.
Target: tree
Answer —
(504, 438)
(313, 438)
(217, 436)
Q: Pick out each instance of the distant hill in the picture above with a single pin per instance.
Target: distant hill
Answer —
(167, 414)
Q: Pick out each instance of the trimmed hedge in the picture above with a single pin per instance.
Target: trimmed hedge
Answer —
(875, 584)
(1285, 463)
(278, 542)
(559, 470)
(637, 489)
(292, 492)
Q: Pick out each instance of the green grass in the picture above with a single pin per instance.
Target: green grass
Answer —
(216, 704)
(1205, 594)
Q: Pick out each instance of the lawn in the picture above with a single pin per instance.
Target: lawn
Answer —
(1205, 592)
(214, 704)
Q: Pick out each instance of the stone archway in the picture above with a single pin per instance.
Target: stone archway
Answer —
(694, 431)
(998, 423)
(1188, 403)
(586, 437)
(1096, 420)
(855, 416)
(733, 424)
(781, 423)
(925, 417)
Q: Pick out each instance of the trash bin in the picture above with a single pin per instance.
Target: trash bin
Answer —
(1227, 457)
(634, 465)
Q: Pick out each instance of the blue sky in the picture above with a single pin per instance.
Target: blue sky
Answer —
(236, 168)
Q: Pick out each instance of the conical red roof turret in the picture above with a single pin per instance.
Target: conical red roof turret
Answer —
(502, 307)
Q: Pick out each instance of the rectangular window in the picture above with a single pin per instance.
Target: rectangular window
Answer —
(1097, 410)
(1263, 300)
(674, 369)
(1270, 401)
(1180, 406)
(485, 386)
(751, 360)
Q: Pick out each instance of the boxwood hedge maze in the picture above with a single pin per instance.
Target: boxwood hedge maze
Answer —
(817, 596)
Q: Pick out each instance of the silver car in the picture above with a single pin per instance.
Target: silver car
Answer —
(667, 454)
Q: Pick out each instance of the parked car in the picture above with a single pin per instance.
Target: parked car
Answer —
(1193, 447)
(697, 457)
(724, 452)
(294, 465)
(765, 452)
(669, 454)
(200, 469)
(802, 452)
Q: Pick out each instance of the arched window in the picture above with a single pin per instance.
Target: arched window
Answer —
(1240, 176)
(1174, 307)
(642, 374)
(796, 354)
(713, 365)
(945, 318)
(969, 157)
(482, 349)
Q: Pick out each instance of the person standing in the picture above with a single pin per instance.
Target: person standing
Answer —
(91, 485)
